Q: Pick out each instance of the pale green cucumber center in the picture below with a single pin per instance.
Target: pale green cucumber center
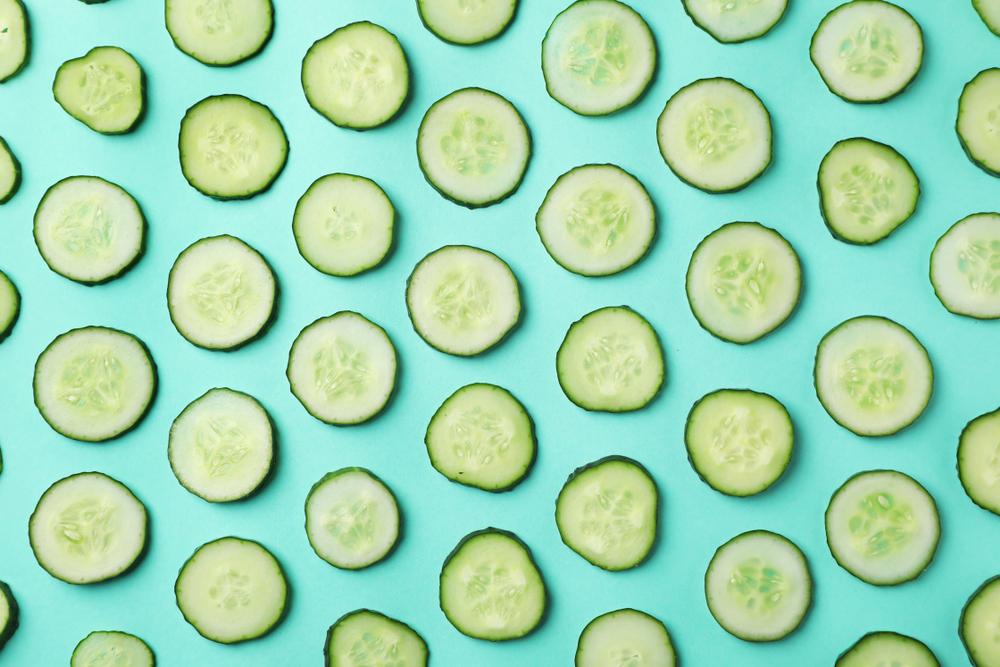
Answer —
(598, 53)
(611, 363)
(734, 6)
(713, 133)
(742, 441)
(979, 264)
(757, 587)
(353, 523)
(991, 471)
(85, 228)
(741, 281)
(340, 370)
(217, 17)
(873, 377)
(222, 294)
(376, 650)
(87, 527)
(360, 75)
(471, 6)
(881, 525)
(92, 383)
(598, 219)
(103, 88)
(343, 223)
(230, 588)
(232, 147)
(866, 194)
(611, 518)
(870, 51)
(475, 145)
(462, 300)
(221, 445)
(494, 593)
(479, 437)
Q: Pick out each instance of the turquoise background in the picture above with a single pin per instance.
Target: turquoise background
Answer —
(840, 281)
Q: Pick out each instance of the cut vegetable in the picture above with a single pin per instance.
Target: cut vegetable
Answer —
(715, 135)
(491, 588)
(473, 147)
(10, 168)
(88, 528)
(10, 305)
(352, 519)
(965, 267)
(8, 614)
(873, 376)
(111, 649)
(758, 586)
(364, 637)
(607, 513)
(222, 446)
(731, 21)
(220, 33)
(103, 89)
(978, 123)
(94, 383)
(887, 648)
(623, 638)
(979, 460)
(989, 12)
(342, 368)
(14, 41)
(978, 626)
(466, 23)
(596, 220)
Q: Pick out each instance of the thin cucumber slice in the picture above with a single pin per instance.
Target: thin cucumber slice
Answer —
(625, 637)
(887, 648)
(482, 437)
(730, 21)
(463, 300)
(743, 282)
(611, 361)
(8, 614)
(342, 368)
(231, 147)
(491, 588)
(979, 461)
(965, 267)
(977, 626)
(88, 528)
(365, 637)
(467, 23)
(94, 383)
(111, 648)
(10, 170)
(607, 513)
(989, 12)
(867, 50)
(222, 446)
(597, 219)
(598, 57)
(882, 526)
(89, 230)
(14, 38)
(739, 441)
(758, 586)
(977, 125)
(357, 76)
(10, 305)
(352, 519)
(343, 224)
(873, 376)
(219, 33)
(715, 135)
(104, 89)
(473, 147)
(866, 190)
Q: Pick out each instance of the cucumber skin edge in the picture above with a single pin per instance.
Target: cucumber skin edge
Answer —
(14, 620)
(6, 197)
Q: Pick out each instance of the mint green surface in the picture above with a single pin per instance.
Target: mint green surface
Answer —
(840, 281)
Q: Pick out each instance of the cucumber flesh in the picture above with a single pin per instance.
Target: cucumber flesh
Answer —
(102, 89)
(625, 637)
(887, 648)
(979, 460)
(220, 32)
(364, 637)
(10, 170)
(731, 21)
(111, 649)
(467, 23)
(8, 614)
(989, 12)
(978, 124)
(13, 38)
(965, 267)
(978, 625)
(10, 305)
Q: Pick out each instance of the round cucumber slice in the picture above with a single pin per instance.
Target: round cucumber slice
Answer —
(342, 368)
(887, 648)
(596, 220)
(89, 230)
(989, 12)
(14, 40)
(463, 300)
(743, 282)
(466, 23)
(979, 460)
(607, 513)
(732, 21)
(222, 446)
(220, 33)
(977, 626)
(343, 224)
(357, 76)
(873, 376)
(626, 637)
(88, 528)
(364, 637)
(965, 267)
(867, 50)
(111, 648)
(482, 436)
(352, 519)
(10, 305)
(9, 614)
(882, 526)
(978, 123)
(715, 135)
(94, 383)
(866, 190)
(10, 168)
(231, 147)
(758, 586)
(103, 89)
(473, 147)
(598, 57)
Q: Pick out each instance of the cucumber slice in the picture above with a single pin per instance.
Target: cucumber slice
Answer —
(625, 637)
(231, 147)
(491, 588)
(220, 33)
(873, 376)
(104, 89)
(739, 441)
(352, 519)
(466, 23)
(221, 293)
(14, 40)
(364, 637)
(730, 21)
(607, 513)
(598, 57)
(979, 460)
(10, 168)
(965, 267)
(977, 626)
(343, 224)
(342, 368)
(89, 230)
(611, 361)
(8, 614)
(10, 305)
(222, 446)
(357, 76)
(111, 648)
(596, 220)
(743, 282)
(94, 383)
(867, 50)
(887, 648)
(463, 300)
(758, 586)
(473, 147)
(482, 437)
(88, 528)
(989, 12)
(882, 526)
(715, 135)
(978, 123)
